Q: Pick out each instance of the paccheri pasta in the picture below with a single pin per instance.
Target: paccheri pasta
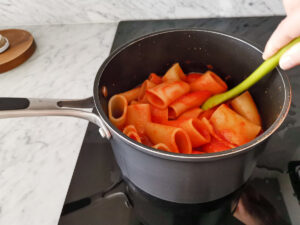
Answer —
(164, 113)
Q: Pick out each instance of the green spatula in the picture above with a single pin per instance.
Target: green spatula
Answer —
(266, 67)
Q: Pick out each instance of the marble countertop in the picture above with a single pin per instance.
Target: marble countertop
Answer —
(38, 155)
(19, 12)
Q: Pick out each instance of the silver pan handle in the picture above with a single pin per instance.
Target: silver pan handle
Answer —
(24, 107)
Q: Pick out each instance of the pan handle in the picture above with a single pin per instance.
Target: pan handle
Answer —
(25, 107)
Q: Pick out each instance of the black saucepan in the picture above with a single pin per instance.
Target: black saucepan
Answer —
(175, 177)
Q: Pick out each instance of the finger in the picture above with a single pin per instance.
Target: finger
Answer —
(290, 6)
(286, 31)
(291, 58)
(277, 40)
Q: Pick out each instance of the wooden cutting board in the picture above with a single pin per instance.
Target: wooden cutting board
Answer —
(21, 47)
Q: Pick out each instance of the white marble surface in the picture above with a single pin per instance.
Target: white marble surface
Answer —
(38, 155)
(20, 12)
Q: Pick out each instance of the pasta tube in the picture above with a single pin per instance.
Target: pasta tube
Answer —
(153, 77)
(117, 110)
(187, 102)
(162, 95)
(132, 94)
(192, 113)
(162, 146)
(196, 129)
(174, 73)
(209, 81)
(145, 86)
(245, 106)
(138, 115)
(191, 77)
(233, 127)
(175, 138)
(158, 115)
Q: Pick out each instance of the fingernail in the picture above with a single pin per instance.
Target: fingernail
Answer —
(286, 62)
(267, 55)
(264, 56)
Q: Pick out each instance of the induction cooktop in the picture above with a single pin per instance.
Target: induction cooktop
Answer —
(99, 195)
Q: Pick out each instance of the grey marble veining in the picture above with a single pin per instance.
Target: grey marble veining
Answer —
(38, 155)
(18, 12)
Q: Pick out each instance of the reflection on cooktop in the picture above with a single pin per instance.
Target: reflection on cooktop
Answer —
(123, 203)
(98, 194)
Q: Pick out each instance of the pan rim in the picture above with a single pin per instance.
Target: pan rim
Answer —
(192, 157)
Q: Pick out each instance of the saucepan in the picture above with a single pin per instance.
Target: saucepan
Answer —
(174, 177)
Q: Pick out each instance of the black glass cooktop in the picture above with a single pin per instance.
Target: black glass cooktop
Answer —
(98, 195)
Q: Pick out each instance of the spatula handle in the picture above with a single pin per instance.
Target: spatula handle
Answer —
(266, 67)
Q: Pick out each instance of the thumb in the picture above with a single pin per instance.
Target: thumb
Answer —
(286, 31)
(291, 58)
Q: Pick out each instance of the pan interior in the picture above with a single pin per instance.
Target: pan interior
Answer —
(232, 59)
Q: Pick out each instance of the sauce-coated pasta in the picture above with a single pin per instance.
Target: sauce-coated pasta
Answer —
(164, 113)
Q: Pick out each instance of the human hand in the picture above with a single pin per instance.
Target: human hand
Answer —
(287, 30)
